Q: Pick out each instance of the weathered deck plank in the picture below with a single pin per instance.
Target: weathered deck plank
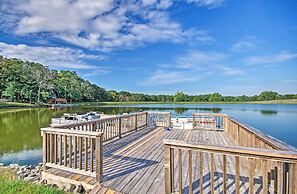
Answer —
(149, 176)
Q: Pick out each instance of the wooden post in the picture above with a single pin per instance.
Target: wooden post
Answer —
(225, 124)
(86, 153)
(180, 171)
(70, 152)
(285, 178)
(211, 173)
(172, 168)
(251, 175)
(65, 150)
(193, 122)
(190, 173)
(136, 122)
(99, 159)
(167, 170)
(292, 178)
(237, 180)
(50, 159)
(120, 127)
(169, 120)
(201, 172)
(224, 174)
(264, 175)
(44, 150)
(147, 119)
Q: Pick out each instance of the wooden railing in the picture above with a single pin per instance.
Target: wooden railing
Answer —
(73, 151)
(208, 121)
(241, 134)
(247, 136)
(162, 119)
(251, 170)
(111, 127)
(78, 147)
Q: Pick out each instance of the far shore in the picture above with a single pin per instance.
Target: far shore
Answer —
(27, 105)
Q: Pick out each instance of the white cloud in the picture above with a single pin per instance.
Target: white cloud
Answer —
(54, 57)
(198, 59)
(191, 66)
(167, 77)
(242, 46)
(228, 71)
(97, 71)
(59, 15)
(101, 25)
(245, 44)
(207, 3)
(266, 59)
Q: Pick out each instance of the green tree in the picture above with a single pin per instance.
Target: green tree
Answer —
(180, 97)
(42, 76)
(268, 95)
(215, 97)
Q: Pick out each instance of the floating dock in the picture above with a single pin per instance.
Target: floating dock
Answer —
(143, 153)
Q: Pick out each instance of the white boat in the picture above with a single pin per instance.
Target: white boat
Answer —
(68, 118)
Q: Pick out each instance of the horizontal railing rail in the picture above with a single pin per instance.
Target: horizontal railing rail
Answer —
(240, 133)
(208, 121)
(247, 136)
(73, 151)
(263, 170)
(111, 127)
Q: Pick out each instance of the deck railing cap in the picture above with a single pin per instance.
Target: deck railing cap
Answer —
(158, 112)
(210, 114)
(97, 120)
(235, 150)
(272, 141)
(71, 132)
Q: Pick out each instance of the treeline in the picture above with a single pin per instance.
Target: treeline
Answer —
(182, 97)
(25, 81)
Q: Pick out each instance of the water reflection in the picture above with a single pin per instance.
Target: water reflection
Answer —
(268, 112)
(24, 157)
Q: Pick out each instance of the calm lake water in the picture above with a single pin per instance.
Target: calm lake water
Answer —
(20, 140)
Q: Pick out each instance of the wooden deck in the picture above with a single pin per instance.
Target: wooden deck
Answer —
(135, 164)
(227, 158)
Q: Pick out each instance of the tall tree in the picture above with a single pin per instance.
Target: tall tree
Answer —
(42, 76)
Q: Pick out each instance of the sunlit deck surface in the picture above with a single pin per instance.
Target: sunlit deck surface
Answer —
(134, 164)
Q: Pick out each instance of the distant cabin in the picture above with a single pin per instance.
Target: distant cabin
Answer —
(58, 101)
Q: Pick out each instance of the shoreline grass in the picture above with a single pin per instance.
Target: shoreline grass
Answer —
(10, 184)
(27, 105)
(294, 101)
(16, 104)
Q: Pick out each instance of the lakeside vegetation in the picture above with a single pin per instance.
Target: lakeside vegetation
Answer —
(16, 104)
(10, 184)
(290, 101)
(24, 83)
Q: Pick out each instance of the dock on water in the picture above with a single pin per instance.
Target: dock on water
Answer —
(150, 152)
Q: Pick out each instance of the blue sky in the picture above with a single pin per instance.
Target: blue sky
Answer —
(233, 47)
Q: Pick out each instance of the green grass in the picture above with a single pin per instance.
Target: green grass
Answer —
(10, 184)
(16, 104)
(19, 104)
(293, 101)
